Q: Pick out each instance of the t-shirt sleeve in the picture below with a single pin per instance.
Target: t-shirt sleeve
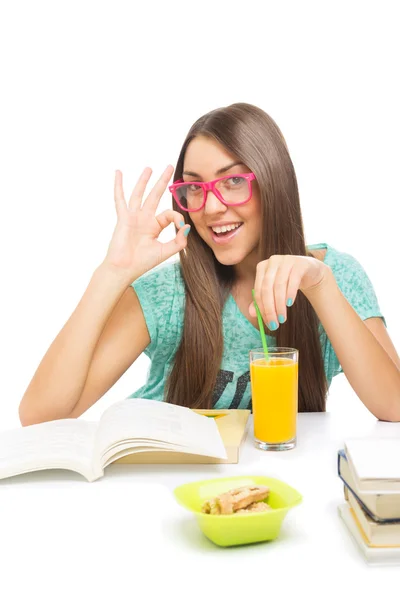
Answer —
(358, 290)
(156, 291)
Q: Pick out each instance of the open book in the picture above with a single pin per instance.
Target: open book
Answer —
(127, 427)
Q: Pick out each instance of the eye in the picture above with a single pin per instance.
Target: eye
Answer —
(235, 181)
(193, 187)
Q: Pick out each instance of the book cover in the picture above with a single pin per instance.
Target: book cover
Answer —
(375, 463)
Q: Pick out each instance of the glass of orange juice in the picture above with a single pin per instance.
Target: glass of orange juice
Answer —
(274, 391)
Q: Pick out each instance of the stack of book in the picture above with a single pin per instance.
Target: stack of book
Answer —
(370, 472)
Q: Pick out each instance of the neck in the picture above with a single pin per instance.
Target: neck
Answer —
(246, 270)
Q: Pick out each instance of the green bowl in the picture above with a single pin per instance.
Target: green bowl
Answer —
(233, 530)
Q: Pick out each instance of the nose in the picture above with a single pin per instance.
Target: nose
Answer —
(213, 204)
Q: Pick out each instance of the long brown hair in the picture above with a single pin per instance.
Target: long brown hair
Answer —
(249, 134)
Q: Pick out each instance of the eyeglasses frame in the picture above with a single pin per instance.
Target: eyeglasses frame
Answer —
(210, 186)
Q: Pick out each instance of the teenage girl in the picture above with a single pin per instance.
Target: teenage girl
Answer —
(239, 226)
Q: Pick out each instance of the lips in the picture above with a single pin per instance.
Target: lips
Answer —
(226, 238)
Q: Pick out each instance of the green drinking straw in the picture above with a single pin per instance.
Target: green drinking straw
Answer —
(261, 326)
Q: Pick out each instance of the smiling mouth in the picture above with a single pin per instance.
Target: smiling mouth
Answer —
(226, 237)
(225, 234)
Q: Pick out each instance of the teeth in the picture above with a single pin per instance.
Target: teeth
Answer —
(225, 228)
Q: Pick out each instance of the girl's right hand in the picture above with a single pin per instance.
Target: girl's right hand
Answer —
(134, 248)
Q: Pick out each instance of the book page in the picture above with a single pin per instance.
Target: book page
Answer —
(142, 445)
(128, 449)
(375, 458)
(60, 444)
(136, 420)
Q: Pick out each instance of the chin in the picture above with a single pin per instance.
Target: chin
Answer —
(228, 259)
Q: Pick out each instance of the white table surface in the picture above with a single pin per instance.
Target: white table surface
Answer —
(125, 536)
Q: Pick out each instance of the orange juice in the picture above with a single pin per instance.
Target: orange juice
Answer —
(274, 390)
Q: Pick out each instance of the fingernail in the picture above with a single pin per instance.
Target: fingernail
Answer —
(281, 318)
(273, 326)
(289, 302)
(186, 232)
(181, 224)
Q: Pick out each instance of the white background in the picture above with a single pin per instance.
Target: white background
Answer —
(90, 87)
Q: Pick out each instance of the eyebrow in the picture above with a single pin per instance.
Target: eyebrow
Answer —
(219, 172)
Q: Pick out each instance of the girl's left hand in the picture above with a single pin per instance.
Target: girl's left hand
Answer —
(278, 280)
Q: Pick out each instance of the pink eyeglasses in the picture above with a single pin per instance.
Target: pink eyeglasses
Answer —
(231, 190)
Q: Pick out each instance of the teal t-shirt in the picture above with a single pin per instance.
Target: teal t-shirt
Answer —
(161, 293)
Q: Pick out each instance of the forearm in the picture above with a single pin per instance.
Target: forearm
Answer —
(61, 375)
(369, 369)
